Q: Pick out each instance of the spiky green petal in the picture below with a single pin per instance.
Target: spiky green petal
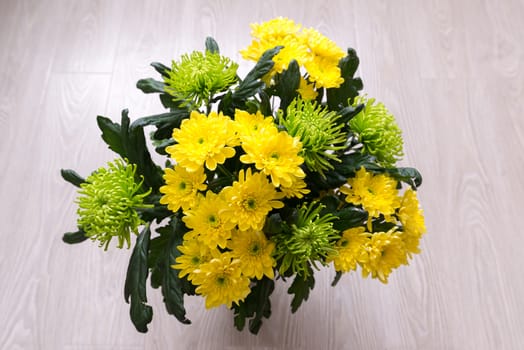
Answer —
(107, 204)
(378, 131)
(307, 241)
(198, 76)
(318, 131)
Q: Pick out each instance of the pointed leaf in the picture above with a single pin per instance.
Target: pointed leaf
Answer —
(74, 237)
(72, 177)
(135, 284)
(111, 134)
(160, 68)
(150, 85)
(211, 45)
(300, 288)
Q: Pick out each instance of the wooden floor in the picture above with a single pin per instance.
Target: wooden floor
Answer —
(451, 71)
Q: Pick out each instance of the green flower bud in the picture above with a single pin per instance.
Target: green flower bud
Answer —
(107, 204)
(378, 131)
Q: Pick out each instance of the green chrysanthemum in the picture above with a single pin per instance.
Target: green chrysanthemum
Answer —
(318, 131)
(198, 76)
(310, 239)
(107, 204)
(378, 131)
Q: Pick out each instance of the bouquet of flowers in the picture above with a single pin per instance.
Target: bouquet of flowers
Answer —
(267, 177)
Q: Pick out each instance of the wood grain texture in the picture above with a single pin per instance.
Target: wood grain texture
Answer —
(451, 71)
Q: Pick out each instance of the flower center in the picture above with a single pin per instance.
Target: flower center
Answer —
(250, 204)
(255, 248)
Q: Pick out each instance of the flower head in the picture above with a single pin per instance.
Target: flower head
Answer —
(384, 252)
(412, 219)
(203, 140)
(309, 48)
(181, 188)
(194, 254)
(275, 153)
(378, 131)
(250, 199)
(306, 90)
(208, 221)
(377, 194)
(254, 252)
(308, 240)
(318, 130)
(198, 76)
(107, 204)
(221, 281)
(249, 125)
(349, 249)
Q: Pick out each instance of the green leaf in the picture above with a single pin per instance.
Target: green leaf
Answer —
(411, 176)
(171, 283)
(287, 84)
(173, 118)
(300, 288)
(348, 90)
(135, 284)
(255, 307)
(160, 68)
(111, 134)
(211, 45)
(136, 151)
(72, 177)
(252, 83)
(349, 217)
(74, 237)
(150, 85)
(338, 275)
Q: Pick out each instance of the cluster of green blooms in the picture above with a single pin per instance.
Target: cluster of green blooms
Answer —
(254, 193)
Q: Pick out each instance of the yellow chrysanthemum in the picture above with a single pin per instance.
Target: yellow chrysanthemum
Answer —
(249, 125)
(207, 221)
(250, 199)
(324, 72)
(221, 281)
(277, 32)
(194, 254)
(377, 194)
(322, 46)
(298, 188)
(307, 91)
(182, 187)
(412, 219)
(350, 249)
(385, 252)
(275, 154)
(203, 140)
(254, 252)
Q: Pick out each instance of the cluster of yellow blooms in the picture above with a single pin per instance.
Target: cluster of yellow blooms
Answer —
(312, 50)
(225, 246)
(378, 253)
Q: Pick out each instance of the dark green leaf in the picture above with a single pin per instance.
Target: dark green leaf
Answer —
(111, 134)
(72, 177)
(260, 294)
(300, 288)
(135, 284)
(74, 237)
(211, 45)
(168, 101)
(160, 68)
(338, 275)
(411, 176)
(172, 118)
(150, 85)
(256, 306)
(252, 83)
(162, 255)
(341, 96)
(349, 217)
(135, 150)
(287, 85)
